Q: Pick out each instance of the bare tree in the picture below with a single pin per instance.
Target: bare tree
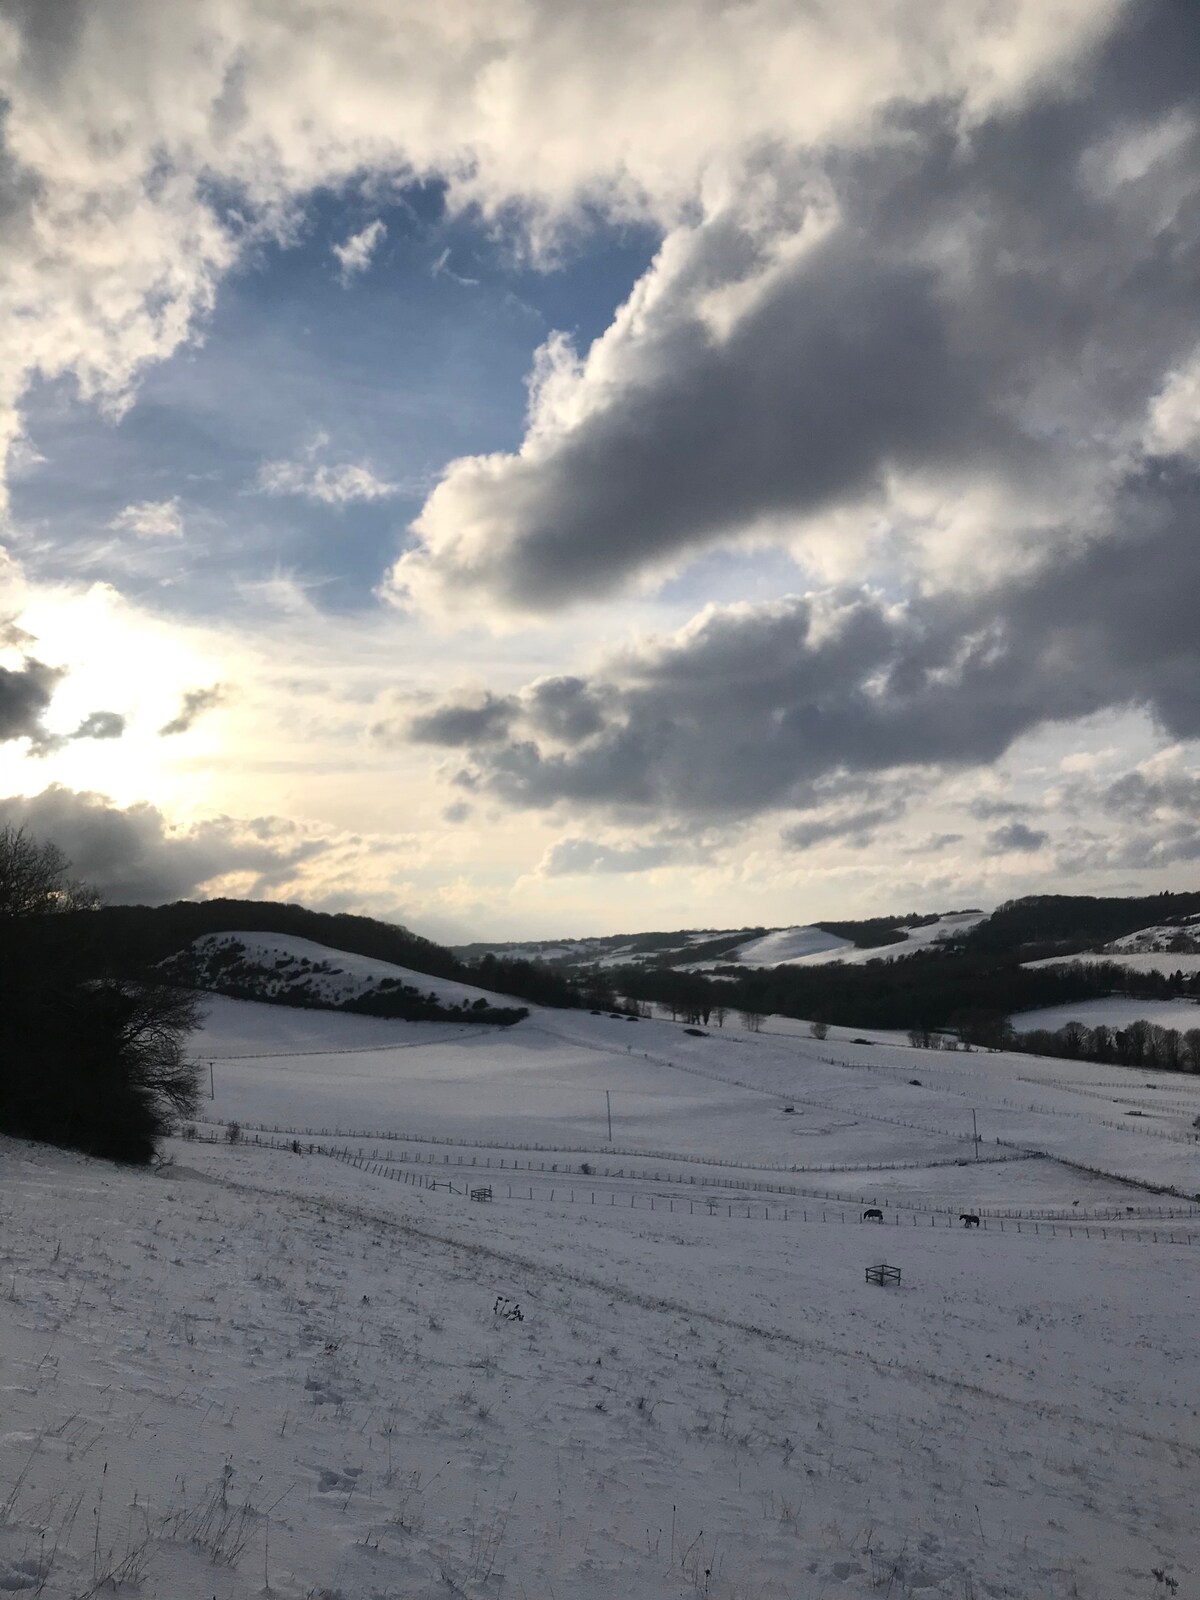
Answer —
(35, 878)
(753, 1020)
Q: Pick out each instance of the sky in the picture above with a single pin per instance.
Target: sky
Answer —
(551, 468)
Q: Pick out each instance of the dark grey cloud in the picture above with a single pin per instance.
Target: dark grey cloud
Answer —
(25, 694)
(1002, 302)
(458, 725)
(195, 703)
(458, 811)
(1015, 836)
(754, 707)
(565, 708)
(134, 856)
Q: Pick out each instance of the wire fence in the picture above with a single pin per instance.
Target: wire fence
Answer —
(384, 1136)
(838, 1209)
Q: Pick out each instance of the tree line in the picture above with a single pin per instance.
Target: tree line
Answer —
(1137, 1044)
(927, 990)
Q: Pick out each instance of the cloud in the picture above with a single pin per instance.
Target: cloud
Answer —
(461, 724)
(354, 256)
(96, 725)
(147, 150)
(150, 519)
(442, 269)
(987, 808)
(134, 856)
(885, 333)
(1146, 794)
(331, 484)
(576, 856)
(749, 706)
(1015, 836)
(100, 725)
(195, 703)
(25, 695)
(850, 826)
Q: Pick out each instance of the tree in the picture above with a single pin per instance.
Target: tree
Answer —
(34, 878)
(818, 1029)
(753, 1020)
(94, 1060)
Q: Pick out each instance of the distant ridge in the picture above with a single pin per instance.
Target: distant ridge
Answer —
(131, 938)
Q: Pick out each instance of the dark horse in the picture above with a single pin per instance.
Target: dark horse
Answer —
(873, 1214)
(968, 1219)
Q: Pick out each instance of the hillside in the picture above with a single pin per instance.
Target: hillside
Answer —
(648, 1365)
(283, 970)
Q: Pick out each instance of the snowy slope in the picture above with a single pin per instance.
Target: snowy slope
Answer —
(265, 1371)
(1148, 950)
(787, 945)
(332, 976)
(812, 946)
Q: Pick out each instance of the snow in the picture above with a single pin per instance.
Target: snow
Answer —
(1114, 1011)
(790, 945)
(1159, 937)
(1138, 961)
(1147, 950)
(349, 975)
(262, 1371)
(812, 946)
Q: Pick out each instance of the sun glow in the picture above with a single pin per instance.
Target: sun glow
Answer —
(122, 661)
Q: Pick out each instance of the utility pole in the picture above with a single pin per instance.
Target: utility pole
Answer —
(608, 1103)
(212, 1088)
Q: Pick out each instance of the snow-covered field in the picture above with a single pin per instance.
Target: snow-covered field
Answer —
(1114, 1011)
(272, 1372)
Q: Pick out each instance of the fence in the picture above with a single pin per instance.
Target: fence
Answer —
(1015, 1153)
(738, 1211)
(845, 1212)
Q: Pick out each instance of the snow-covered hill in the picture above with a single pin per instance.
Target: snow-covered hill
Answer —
(266, 1371)
(276, 967)
(813, 946)
(1163, 947)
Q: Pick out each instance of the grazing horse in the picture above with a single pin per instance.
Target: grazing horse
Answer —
(873, 1214)
(968, 1219)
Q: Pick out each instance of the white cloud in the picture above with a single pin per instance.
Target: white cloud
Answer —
(1174, 424)
(150, 519)
(146, 145)
(329, 483)
(354, 256)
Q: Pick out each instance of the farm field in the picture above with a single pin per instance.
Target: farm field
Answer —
(267, 1370)
(1113, 1011)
